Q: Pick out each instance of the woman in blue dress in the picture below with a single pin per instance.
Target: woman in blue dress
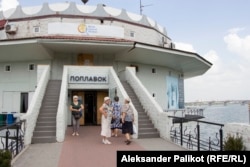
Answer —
(116, 125)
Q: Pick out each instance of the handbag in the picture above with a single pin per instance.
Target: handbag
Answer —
(134, 129)
(77, 115)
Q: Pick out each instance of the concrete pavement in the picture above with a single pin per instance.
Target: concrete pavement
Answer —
(85, 150)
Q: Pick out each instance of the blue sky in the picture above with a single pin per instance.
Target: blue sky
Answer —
(218, 30)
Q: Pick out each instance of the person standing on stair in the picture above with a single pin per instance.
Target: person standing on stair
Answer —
(76, 108)
(127, 120)
(106, 110)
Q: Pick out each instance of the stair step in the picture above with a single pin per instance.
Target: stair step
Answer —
(51, 95)
(48, 114)
(142, 116)
(44, 133)
(144, 121)
(147, 130)
(148, 135)
(45, 123)
(44, 139)
(46, 119)
(48, 110)
(51, 101)
(49, 107)
(45, 128)
(145, 126)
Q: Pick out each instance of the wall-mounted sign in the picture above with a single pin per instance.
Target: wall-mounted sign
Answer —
(82, 28)
(85, 29)
(87, 79)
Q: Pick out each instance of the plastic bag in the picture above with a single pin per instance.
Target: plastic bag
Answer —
(134, 129)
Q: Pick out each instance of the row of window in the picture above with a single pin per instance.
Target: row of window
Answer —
(137, 68)
(7, 68)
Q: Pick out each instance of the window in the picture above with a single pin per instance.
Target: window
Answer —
(7, 68)
(31, 67)
(132, 34)
(36, 29)
(153, 70)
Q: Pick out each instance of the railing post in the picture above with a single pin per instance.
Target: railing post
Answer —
(181, 132)
(17, 138)
(7, 140)
(198, 136)
(201, 144)
(209, 144)
(221, 139)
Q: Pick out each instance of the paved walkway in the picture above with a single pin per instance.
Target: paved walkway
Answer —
(85, 150)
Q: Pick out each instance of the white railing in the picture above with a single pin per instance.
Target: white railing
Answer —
(62, 111)
(36, 102)
(152, 108)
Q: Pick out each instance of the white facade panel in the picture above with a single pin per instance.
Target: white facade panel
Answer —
(11, 102)
(14, 82)
(156, 82)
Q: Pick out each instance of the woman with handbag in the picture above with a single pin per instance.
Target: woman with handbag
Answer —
(106, 110)
(127, 120)
(76, 109)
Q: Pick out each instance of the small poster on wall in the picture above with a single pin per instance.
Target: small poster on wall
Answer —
(172, 92)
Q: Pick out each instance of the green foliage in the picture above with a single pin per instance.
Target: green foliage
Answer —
(5, 158)
(234, 143)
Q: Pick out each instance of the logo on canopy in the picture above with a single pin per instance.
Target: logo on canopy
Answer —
(82, 28)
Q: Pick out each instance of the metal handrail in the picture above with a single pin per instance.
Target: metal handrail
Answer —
(12, 137)
(194, 140)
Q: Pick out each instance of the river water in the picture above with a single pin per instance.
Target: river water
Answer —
(221, 114)
(230, 113)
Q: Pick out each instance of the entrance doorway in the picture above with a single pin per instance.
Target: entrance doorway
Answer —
(90, 108)
(24, 102)
(92, 101)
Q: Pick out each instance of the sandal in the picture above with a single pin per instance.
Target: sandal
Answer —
(128, 142)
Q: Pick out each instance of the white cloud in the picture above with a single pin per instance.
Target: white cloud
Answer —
(8, 4)
(235, 30)
(229, 77)
(238, 45)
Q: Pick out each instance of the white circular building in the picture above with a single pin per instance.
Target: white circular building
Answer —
(92, 52)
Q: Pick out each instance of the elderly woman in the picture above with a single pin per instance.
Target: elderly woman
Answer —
(106, 110)
(76, 108)
(116, 125)
(127, 120)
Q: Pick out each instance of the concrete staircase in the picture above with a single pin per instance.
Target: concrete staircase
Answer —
(45, 131)
(146, 127)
